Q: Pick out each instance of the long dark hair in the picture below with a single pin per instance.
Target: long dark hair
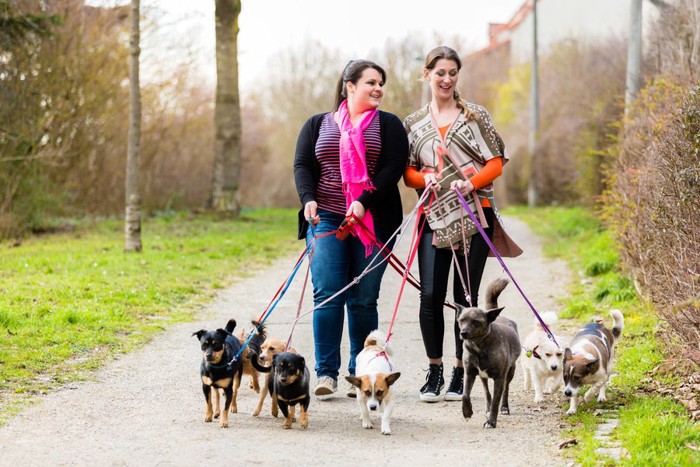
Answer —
(448, 53)
(351, 74)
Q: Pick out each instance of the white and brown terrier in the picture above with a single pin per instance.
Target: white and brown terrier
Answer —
(589, 359)
(374, 375)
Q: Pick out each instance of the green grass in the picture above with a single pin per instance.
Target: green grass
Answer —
(653, 429)
(69, 302)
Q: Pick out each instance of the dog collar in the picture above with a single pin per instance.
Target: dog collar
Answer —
(533, 353)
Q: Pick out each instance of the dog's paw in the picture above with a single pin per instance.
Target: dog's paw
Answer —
(602, 398)
(571, 411)
(287, 424)
(367, 425)
(505, 410)
(489, 424)
(538, 399)
(223, 423)
(467, 411)
(386, 430)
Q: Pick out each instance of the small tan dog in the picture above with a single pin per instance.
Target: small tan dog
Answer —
(542, 360)
(268, 350)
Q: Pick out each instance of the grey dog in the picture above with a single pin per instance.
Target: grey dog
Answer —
(491, 348)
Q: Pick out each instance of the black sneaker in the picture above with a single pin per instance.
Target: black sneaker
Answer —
(454, 390)
(434, 381)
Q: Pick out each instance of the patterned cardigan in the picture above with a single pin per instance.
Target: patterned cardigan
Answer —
(470, 144)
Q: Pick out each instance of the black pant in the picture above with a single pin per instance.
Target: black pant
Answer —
(434, 269)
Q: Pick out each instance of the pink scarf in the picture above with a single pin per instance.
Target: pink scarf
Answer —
(353, 168)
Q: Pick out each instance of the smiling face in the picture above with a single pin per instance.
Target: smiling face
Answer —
(443, 79)
(367, 92)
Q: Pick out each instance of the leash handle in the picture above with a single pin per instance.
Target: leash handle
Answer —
(465, 205)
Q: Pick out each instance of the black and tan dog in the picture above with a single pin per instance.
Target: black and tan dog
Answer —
(491, 349)
(268, 350)
(218, 368)
(289, 385)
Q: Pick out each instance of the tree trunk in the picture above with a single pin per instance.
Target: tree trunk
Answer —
(132, 224)
(225, 196)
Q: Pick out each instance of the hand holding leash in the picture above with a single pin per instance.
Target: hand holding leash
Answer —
(464, 186)
(311, 213)
(431, 182)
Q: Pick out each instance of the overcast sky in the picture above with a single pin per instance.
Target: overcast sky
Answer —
(354, 27)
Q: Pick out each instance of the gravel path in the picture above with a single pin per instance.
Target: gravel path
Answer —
(147, 408)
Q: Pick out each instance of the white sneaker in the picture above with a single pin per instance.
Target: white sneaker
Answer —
(352, 391)
(325, 386)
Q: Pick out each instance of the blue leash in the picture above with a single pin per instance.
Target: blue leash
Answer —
(272, 307)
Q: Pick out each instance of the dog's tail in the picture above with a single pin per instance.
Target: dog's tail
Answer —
(230, 326)
(618, 323)
(257, 340)
(377, 337)
(549, 318)
(256, 363)
(493, 291)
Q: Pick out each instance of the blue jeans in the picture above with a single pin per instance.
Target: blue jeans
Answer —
(334, 265)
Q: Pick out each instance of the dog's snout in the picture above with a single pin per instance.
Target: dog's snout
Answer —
(567, 392)
(372, 406)
(554, 367)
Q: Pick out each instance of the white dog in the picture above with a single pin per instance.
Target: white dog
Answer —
(542, 360)
(374, 375)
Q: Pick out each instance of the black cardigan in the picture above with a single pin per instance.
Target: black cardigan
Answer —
(385, 200)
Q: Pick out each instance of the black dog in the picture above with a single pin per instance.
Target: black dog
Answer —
(288, 385)
(491, 348)
(218, 368)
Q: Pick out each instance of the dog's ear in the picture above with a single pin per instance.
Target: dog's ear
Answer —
(391, 378)
(567, 354)
(354, 380)
(492, 314)
(590, 363)
(222, 333)
(302, 362)
(199, 333)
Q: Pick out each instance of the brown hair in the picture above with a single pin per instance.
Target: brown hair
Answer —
(448, 53)
(351, 74)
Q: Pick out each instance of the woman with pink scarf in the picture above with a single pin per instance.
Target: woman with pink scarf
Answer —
(346, 168)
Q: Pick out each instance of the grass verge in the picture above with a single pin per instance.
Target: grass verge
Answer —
(70, 302)
(653, 429)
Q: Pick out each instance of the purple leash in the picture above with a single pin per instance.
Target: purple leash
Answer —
(465, 205)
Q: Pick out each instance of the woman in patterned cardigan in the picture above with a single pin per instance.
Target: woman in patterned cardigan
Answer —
(452, 143)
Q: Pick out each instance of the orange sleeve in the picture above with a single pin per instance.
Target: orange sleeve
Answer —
(413, 178)
(492, 170)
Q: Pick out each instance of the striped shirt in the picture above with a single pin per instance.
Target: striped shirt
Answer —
(329, 192)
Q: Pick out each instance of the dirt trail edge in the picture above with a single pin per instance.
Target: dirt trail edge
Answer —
(147, 407)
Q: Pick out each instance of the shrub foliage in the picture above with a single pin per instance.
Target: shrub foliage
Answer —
(653, 204)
